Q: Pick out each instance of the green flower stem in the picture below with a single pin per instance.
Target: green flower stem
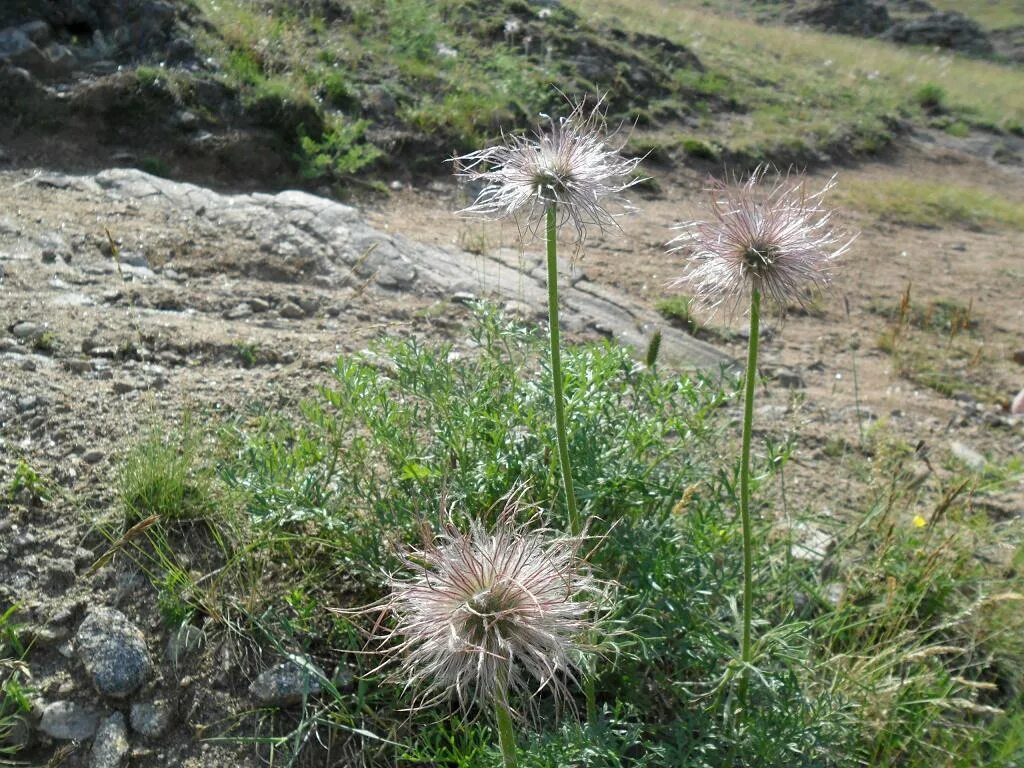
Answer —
(506, 734)
(575, 526)
(748, 534)
(556, 372)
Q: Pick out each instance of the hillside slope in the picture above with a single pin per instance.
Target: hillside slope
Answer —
(272, 93)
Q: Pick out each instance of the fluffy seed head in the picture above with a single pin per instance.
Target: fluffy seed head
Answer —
(773, 237)
(574, 164)
(491, 612)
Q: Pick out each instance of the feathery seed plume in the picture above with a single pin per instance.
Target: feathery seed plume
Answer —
(487, 613)
(572, 165)
(776, 241)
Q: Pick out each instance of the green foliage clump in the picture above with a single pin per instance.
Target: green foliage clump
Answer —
(156, 166)
(248, 353)
(414, 28)
(338, 91)
(46, 342)
(343, 151)
(899, 647)
(699, 149)
(468, 431)
(958, 128)
(148, 77)
(931, 97)
(243, 67)
(679, 309)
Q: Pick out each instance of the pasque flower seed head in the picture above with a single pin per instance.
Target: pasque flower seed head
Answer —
(775, 238)
(488, 612)
(573, 165)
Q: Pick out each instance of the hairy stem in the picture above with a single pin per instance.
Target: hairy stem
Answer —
(506, 734)
(748, 534)
(556, 372)
(558, 396)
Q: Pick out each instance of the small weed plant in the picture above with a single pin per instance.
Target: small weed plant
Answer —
(27, 482)
(931, 97)
(46, 342)
(680, 311)
(341, 152)
(15, 706)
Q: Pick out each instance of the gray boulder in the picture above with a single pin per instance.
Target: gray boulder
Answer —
(303, 238)
(17, 49)
(38, 31)
(16, 46)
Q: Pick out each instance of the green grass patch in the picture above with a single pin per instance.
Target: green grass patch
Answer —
(839, 92)
(420, 74)
(933, 204)
(931, 97)
(679, 309)
(425, 80)
(163, 475)
(699, 148)
(959, 129)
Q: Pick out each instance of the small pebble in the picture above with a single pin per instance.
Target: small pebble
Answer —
(291, 311)
(26, 330)
(92, 456)
(286, 683)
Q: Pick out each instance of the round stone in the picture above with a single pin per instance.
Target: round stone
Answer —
(114, 652)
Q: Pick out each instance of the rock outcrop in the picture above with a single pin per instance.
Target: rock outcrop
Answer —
(945, 29)
(295, 235)
(851, 17)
